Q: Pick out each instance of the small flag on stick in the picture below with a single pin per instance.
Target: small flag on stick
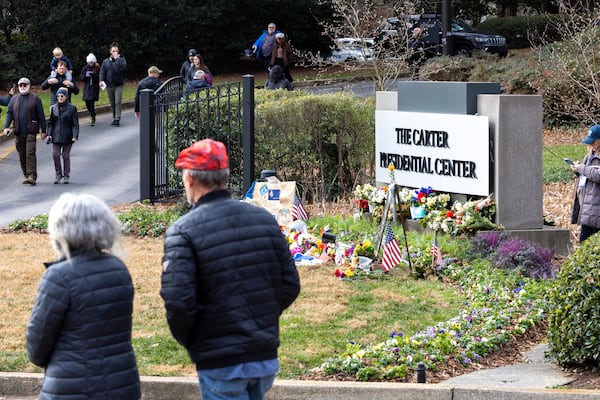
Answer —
(436, 252)
(391, 251)
(298, 211)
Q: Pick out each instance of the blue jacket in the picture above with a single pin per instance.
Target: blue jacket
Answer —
(80, 330)
(259, 43)
(227, 277)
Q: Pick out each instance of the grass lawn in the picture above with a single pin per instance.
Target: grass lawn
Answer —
(328, 314)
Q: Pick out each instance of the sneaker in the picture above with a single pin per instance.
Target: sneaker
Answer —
(58, 178)
(66, 180)
(116, 123)
(30, 181)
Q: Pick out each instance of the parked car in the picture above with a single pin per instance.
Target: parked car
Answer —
(464, 39)
(352, 49)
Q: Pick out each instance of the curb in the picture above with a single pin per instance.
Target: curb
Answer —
(159, 388)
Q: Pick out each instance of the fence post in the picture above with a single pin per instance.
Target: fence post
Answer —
(147, 145)
(248, 130)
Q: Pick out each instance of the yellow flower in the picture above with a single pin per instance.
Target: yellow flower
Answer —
(391, 167)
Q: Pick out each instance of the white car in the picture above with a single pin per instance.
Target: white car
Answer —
(352, 49)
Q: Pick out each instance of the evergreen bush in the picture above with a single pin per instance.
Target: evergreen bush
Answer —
(574, 314)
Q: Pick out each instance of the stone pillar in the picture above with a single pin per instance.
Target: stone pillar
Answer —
(516, 157)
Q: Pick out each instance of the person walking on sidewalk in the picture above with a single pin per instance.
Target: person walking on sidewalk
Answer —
(63, 131)
(112, 78)
(227, 277)
(90, 75)
(80, 327)
(26, 114)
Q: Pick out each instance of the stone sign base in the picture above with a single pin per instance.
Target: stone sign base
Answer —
(552, 237)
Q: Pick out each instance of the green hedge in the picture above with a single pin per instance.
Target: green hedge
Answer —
(521, 31)
(326, 143)
(574, 315)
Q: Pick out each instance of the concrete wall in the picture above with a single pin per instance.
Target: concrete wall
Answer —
(516, 134)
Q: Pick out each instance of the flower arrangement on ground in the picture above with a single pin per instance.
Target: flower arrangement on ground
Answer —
(467, 217)
(363, 194)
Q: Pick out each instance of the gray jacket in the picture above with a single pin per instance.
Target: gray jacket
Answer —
(586, 205)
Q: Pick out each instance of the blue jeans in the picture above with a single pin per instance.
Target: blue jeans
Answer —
(236, 389)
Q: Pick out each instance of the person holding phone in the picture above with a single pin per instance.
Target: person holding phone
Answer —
(586, 202)
(112, 78)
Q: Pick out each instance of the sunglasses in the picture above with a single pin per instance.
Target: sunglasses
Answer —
(23, 84)
(61, 95)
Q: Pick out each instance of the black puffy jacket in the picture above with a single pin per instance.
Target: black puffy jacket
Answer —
(80, 330)
(227, 277)
(63, 124)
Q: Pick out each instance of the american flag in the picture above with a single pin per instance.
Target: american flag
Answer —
(436, 252)
(298, 211)
(391, 251)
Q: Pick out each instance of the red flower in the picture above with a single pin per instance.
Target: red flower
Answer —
(449, 214)
(421, 197)
(337, 273)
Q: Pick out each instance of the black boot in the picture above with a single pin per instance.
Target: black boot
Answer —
(93, 120)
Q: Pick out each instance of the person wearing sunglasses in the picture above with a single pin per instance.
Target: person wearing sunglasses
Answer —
(63, 132)
(26, 115)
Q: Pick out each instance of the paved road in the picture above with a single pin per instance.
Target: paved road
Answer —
(104, 162)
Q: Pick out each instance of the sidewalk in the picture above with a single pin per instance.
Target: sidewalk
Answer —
(534, 379)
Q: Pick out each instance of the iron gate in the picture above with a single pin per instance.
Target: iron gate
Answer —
(172, 119)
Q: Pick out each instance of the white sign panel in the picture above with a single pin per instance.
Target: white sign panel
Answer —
(448, 152)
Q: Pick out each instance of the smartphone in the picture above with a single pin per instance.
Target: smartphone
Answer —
(568, 161)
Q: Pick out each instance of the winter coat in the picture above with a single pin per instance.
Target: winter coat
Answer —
(227, 277)
(586, 204)
(54, 87)
(112, 71)
(207, 74)
(184, 70)
(80, 330)
(63, 124)
(195, 85)
(286, 53)
(148, 82)
(90, 75)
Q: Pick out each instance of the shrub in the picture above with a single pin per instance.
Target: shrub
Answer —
(326, 143)
(513, 253)
(574, 311)
(521, 31)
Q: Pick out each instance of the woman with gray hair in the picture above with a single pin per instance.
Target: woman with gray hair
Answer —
(80, 327)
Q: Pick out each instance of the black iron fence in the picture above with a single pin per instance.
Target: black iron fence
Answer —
(172, 119)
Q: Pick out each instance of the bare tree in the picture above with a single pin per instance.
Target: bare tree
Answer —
(383, 48)
(569, 70)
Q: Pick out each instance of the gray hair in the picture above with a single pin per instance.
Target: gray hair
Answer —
(83, 222)
(216, 179)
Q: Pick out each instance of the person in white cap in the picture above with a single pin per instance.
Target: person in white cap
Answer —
(150, 82)
(26, 114)
(90, 76)
(282, 55)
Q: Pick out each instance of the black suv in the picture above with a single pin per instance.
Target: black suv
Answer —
(463, 38)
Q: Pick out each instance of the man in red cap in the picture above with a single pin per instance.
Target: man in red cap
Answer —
(227, 277)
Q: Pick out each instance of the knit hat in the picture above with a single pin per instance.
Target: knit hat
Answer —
(204, 155)
(63, 90)
(91, 58)
(24, 80)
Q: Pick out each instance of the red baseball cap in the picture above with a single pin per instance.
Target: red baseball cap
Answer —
(204, 155)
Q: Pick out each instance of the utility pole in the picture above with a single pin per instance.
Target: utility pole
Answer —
(446, 28)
